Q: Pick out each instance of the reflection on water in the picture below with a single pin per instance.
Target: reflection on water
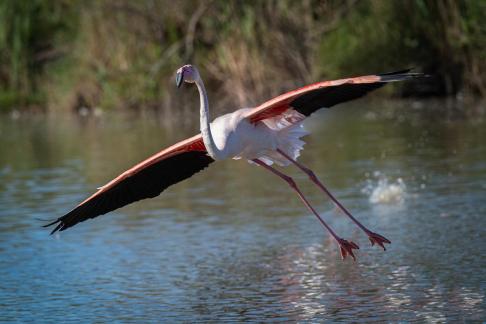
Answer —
(233, 242)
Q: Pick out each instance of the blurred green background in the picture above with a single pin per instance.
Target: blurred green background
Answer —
(121, 54)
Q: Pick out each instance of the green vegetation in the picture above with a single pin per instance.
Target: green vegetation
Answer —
(63, 54)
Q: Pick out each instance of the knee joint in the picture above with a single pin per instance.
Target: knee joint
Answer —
(311, 174)
(291, 182)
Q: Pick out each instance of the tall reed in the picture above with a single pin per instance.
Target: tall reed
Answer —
(122, 54)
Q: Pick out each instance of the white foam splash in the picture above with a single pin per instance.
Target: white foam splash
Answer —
(382, 191)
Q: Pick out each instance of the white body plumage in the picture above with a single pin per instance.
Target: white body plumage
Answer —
(235, 137)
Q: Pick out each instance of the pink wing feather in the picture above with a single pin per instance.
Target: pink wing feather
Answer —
(145, 180)
(326, 94)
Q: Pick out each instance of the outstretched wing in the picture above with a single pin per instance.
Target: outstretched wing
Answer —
(325, 94)
(145, 180)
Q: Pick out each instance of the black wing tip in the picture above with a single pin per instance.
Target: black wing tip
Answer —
(60, 225)
(401, 75)
(397, 72)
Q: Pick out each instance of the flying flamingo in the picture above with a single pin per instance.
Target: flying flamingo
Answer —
(267, 134)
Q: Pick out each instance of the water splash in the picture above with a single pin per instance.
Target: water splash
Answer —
(381, 191)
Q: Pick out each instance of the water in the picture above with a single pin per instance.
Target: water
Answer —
(382, 191)
(233, 242)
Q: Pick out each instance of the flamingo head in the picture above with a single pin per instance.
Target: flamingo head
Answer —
(187, 73)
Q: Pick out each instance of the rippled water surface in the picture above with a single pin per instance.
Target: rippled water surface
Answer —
(233, 242)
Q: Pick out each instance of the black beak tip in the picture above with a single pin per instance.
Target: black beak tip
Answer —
(179, 79)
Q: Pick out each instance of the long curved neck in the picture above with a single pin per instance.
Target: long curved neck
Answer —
(213, 151)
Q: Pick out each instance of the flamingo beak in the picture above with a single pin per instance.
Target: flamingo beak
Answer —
(179, 78)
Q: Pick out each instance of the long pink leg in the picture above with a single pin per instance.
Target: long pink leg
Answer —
(373, 237)
(345, 246)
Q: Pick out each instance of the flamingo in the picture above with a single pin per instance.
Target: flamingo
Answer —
(268, 134)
